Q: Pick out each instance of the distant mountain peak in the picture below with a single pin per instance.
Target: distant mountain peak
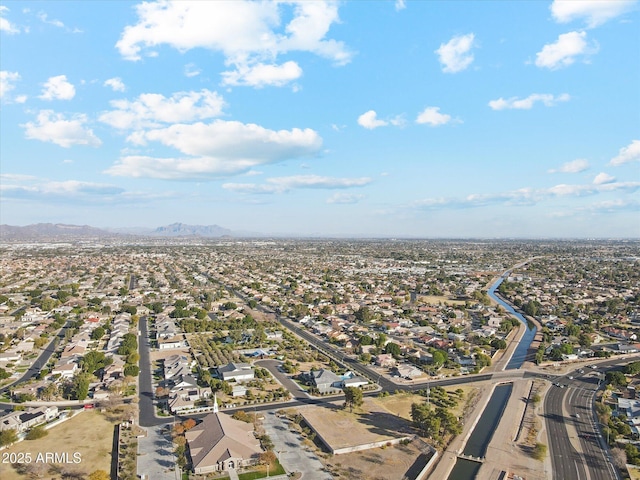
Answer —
(182, 229)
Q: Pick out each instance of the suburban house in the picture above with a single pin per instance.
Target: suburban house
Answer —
(166, 343)
(221, 443)
(385, 360)
(240, 372)
(176, 365)
(65, 370)
(21, 421)
(165, 327)
(408, 371)
(324, 380)
(184, 399)
(184, 381)
(350, 379)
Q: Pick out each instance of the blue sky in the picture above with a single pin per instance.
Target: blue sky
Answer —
(382, 118)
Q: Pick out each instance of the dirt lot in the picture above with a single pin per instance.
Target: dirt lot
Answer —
(386, 463)
(162, 354)
(367, 424)
(88, 434)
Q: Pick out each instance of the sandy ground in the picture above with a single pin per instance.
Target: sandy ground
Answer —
(388, 463)
(88, 434)
(156, 355)
(367, 424)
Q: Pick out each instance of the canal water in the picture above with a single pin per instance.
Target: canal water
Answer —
(481, 436)
(520, 353)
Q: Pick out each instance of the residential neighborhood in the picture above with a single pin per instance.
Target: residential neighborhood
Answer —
(233, 325)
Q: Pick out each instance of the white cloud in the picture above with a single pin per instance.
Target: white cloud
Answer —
(400, 5)
(344, 198)
(603, 178)
(261, 75)
(73, 192)
(525, 196)
(7, 80)
(432, 116)
(191, 70)
(455, 55)
(528, 102)
(153, 109)
(594, 12)
(44, 18)
(116, 84)
(67, 188)
(216, 149)
(574, 166)
(564, 51)
(5, 25)
(58, 88)
(247, 33)
(285, 184)
(630, 153)
(370, 121)
(53, 127)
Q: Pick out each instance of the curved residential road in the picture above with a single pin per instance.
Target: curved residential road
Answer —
(41, 361)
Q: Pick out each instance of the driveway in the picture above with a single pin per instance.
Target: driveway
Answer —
(293, 456)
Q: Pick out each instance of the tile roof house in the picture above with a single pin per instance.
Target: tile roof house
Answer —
(220, 443)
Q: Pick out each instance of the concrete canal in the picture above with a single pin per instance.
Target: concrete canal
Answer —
(478, 442)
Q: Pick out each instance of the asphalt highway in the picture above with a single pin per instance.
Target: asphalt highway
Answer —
(576, 446)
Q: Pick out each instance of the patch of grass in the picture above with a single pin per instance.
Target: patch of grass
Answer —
(274, 469)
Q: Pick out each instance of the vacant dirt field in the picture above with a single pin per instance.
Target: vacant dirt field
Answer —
(386, 463)
(367, 424)
(162, 354)
(89, 434)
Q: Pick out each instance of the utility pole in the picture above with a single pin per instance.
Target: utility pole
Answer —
(428, 392)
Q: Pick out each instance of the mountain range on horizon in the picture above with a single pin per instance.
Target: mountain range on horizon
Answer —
(61, 230)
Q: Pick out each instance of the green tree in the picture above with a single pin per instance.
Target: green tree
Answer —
(80, 386)
(131, 370)
(616, 378)
(8, 437)
(381, 339)
(499, 343)
(98, 333)
(92, 361)
(352, 397)
(439, 357)
(539, 451)
(364, 315)
(36, 433)
(632, 368)
(393, 349)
